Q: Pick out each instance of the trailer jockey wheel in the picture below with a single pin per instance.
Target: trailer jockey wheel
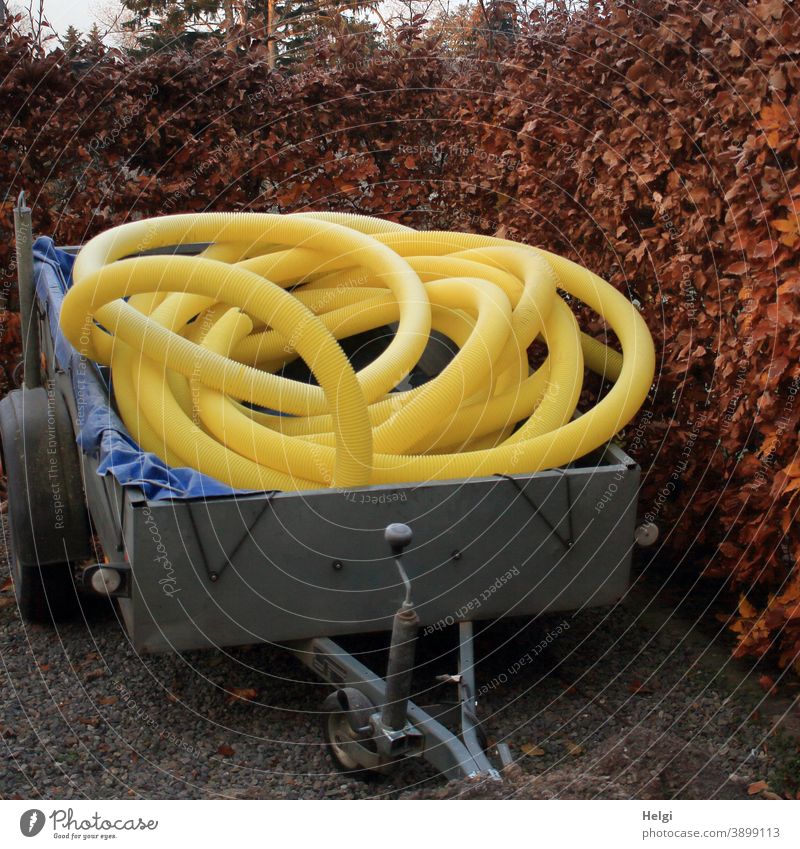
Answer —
(348, 733)
(47, 514)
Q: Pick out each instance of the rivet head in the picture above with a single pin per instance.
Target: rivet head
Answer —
(213, 577)
(456, 554)
(337, 565)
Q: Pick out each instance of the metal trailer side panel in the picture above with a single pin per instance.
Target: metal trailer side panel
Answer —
(290, 566)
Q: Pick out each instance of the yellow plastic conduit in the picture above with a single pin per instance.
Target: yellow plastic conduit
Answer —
(196, 344)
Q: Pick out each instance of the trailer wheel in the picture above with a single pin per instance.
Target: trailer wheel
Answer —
(346, 727)
(47, 517)
(44, 594)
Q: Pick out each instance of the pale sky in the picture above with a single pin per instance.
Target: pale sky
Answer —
(83, 13)
(62, 13)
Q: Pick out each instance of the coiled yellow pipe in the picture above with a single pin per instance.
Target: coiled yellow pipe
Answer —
(195, 344)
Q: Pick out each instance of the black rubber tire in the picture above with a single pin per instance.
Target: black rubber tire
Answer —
(47, 516)
(334, 708)
(45, 594)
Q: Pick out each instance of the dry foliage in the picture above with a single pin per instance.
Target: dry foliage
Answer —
(658, 147)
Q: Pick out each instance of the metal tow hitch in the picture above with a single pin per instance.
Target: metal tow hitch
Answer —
(395, 735)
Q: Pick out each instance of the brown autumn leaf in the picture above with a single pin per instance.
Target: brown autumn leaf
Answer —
(637, 688)
(225, 750)
(757, 787)
(638, 69)
(236, 694)
(573, 749)
(777, 79)
(7, 585)
(108, 700)
(767, 684)
(746, 610)
(765, 248)
(532, 751)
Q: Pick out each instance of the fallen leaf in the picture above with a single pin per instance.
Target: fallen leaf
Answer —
(767, 684)
(107, 700)
(246, 694)
(6, 585)
(225, 750)
(532, 751)
(757, 787)
(573, 749)
(636, 687)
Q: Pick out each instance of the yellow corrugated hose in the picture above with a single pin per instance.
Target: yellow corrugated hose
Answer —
(195, 344)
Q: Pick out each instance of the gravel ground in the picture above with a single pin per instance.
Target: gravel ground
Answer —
(617, 703)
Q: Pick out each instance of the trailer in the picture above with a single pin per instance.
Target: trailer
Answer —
(194, 565)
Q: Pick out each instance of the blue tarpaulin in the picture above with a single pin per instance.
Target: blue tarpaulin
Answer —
(102, 433)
